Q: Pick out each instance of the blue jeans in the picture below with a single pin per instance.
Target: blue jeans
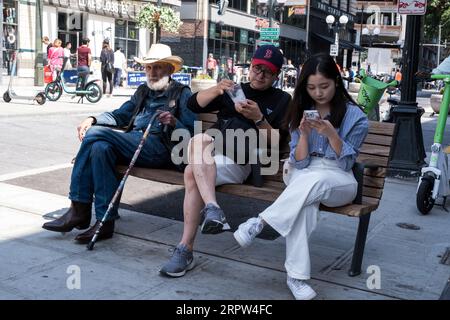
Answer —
(117, 75)
(83, 74)
(94, 172)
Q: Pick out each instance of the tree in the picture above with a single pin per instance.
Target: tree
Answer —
(438, 13)
(155, 18)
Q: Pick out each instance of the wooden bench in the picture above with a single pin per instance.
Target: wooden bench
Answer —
(370, 171)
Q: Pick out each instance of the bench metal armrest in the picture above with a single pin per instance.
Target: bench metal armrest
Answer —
(358, 172)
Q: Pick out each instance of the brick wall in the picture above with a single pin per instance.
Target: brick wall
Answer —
(189, 43)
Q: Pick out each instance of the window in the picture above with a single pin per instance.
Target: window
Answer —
(126, 36)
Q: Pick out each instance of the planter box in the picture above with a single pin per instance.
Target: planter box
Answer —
(435, 101)
(202, 84)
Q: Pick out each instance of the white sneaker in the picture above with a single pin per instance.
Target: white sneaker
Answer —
(248, 230)
(300, 289)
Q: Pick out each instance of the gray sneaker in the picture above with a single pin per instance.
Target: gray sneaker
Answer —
(215, 221)
(182, 260)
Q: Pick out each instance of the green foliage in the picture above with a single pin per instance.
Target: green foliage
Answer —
(438, 12)
(165, 17)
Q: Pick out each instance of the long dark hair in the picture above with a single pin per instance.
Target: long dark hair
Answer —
(325, 65)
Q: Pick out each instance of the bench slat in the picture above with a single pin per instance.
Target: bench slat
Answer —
(379, 172)
(375, 149)
(378, 139)
(370, 200)
(372, 192)
(373, 182)
(383, 128)
(353, 210)
(159, 175)
(373, 160)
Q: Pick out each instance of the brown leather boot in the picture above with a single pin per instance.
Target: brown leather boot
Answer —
(78, 216)
(106, 232)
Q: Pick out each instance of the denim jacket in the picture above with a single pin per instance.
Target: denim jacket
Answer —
(136, 117)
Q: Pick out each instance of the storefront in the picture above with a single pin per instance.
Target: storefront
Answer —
(97, 20)
(227, 42)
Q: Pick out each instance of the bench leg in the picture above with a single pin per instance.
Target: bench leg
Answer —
(360, 242)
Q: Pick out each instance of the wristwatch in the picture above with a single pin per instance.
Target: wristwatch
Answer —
(260, 121)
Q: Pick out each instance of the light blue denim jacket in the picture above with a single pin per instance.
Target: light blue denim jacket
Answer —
(353, 131)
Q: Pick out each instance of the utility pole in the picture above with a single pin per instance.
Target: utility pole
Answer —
(157, 36)
(307, 27)
(270, 4)
(38, 54)
(360, 37)
(439, 42)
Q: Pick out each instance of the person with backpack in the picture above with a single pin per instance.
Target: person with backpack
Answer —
(107, 67)
(102, 147)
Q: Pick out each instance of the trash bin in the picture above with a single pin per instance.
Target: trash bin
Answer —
(39, 80)
(370, 94)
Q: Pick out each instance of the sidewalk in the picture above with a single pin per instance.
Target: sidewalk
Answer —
(40, 263)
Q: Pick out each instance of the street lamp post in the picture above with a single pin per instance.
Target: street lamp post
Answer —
(371, 34)
(38, 54)
(408, 152)
(336, 27)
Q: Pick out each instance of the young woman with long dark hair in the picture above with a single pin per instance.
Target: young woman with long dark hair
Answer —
(323, 151)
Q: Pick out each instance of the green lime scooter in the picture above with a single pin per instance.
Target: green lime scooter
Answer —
(434, 180)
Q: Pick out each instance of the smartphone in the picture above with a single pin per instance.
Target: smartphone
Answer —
(237, 94)
(312, 114)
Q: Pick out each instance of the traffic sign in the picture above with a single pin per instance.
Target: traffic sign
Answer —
(263, 43)
(334, 50)
(412, 7)
(269, 34)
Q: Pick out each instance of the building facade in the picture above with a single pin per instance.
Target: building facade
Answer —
(236, 33)
(71, 21)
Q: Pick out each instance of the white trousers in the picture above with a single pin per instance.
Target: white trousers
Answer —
(296, 211)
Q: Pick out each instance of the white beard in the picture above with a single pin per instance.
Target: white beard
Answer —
(159, 85)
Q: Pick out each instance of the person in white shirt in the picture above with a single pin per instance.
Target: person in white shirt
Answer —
(67, 54)
(119, 63)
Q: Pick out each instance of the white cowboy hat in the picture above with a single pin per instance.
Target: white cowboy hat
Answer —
(161, 53)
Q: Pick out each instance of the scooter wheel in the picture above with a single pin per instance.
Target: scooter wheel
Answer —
(424, 200)
(6, 97)
(40, 98)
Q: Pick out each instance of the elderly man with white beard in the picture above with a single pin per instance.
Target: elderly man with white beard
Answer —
(102, 147)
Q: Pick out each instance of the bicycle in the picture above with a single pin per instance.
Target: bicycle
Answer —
(91, 89)
(434, 179)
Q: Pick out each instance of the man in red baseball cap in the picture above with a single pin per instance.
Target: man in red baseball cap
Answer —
(262, 109)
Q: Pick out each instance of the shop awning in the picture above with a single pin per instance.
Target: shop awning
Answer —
(342, 43)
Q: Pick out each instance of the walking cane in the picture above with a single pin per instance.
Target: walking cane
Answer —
(91, 244)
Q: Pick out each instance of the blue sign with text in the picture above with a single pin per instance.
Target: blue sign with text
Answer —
(184, 78)
(136, 78)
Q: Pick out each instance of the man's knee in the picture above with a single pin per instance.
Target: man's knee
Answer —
(189, 180)
(201, 139)
(100, 149)
(198, 145)
(96, 132)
